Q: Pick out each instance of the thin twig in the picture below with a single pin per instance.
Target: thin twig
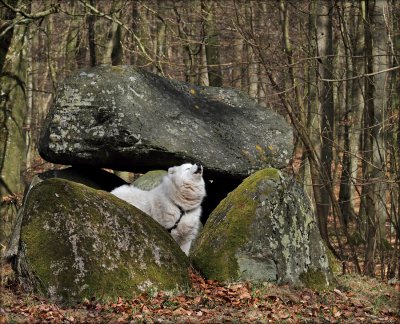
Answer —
(53, 9)
(362, 75)
(117, 21)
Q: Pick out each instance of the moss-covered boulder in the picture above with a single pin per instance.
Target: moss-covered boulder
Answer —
(263, 231)
(95, 178)
(150, 179)
(77, 242)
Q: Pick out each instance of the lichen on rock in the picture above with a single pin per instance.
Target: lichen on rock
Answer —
(263, 231)
(124, 118)
(77, 242)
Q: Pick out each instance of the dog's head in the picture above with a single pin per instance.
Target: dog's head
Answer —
(188, 179)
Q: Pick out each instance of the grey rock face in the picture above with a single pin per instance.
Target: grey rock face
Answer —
(264, 230)
(75, 242)
(128, 119)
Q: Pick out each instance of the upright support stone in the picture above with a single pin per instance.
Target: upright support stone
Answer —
(265, 230)
(75, 242)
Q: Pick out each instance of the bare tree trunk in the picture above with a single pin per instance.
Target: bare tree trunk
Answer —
(380, 62)
(357, 101)
(325, 54)
(114, 50)
(5, 40)
(51, 61)
(237, 69)
(293, 82)
(160, 41)
(135, 29)
(80, 48)
(117, 52)
(252, 69)
(12, 116)
(351, 120)
(72, 42)
(368, 196)
(92, 37)
(374, 143)
(310, 119)
(30, 144)
(190, 51)
(253, 72)
(290, 60)
(394, 265)
(204, 80)
(211, 44)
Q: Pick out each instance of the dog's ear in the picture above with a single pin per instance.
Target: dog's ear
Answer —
(171, 170)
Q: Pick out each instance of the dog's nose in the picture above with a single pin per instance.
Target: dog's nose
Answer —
(199, 167)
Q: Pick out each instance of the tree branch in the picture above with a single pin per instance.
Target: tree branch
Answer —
(117, 21)
(54, 8)
(362, 75)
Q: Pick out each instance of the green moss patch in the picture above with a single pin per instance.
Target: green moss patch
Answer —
(264, 230)
(227, 229)
(82, 243)
(150, 179)
(314, 279)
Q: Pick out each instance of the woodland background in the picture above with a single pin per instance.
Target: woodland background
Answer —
(330, 67)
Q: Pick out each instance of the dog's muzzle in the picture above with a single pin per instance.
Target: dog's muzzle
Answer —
(199, 168)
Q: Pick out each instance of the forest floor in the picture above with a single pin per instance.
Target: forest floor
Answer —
(355, 299)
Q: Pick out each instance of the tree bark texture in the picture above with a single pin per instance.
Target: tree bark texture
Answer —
(211, 44)
(13, 107)
(325, 54)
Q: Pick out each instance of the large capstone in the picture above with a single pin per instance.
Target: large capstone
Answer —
(75, 242)
(122, 118)
(264, 230)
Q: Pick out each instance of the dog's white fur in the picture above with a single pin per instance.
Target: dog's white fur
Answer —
(180, 193)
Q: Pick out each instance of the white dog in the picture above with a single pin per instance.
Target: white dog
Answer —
(175, 203)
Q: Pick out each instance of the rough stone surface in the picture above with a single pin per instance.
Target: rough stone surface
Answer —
(263, 231)
(92, 177)
(126, 119)
(77, 242)
(150, 179)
